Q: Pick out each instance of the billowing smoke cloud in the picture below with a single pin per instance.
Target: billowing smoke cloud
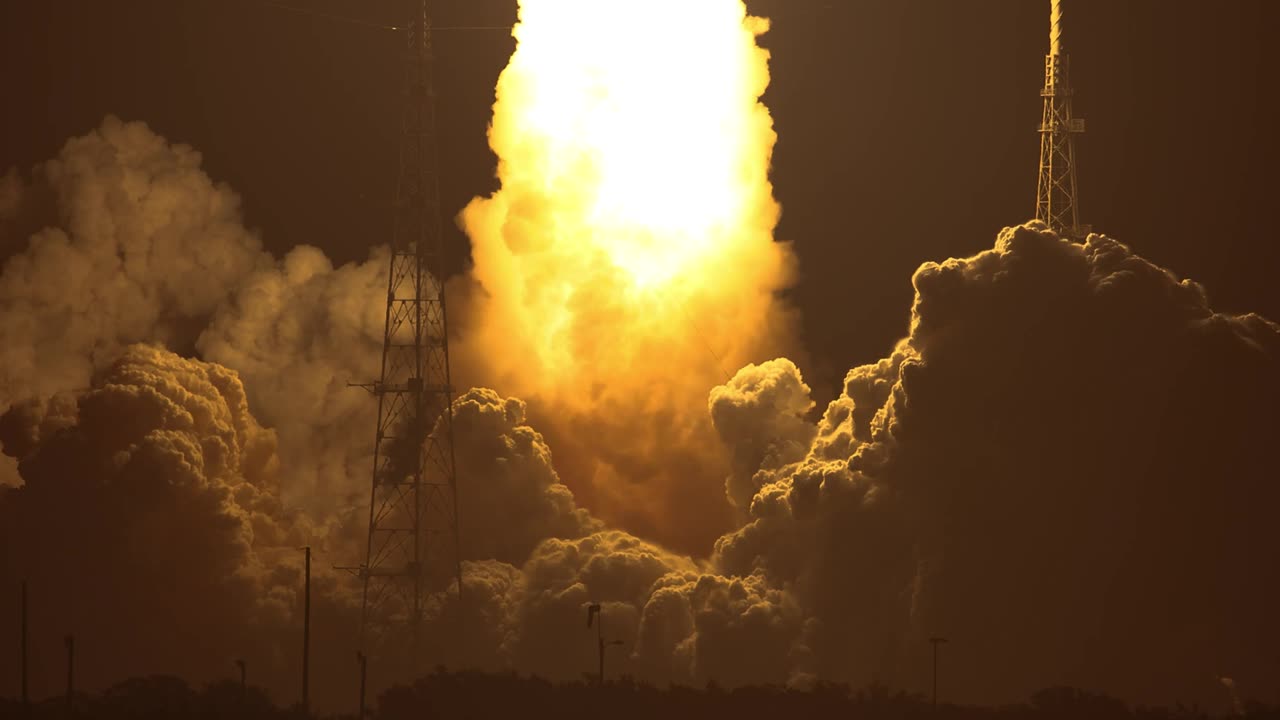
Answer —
(633, 158)
(145, 248)
(148, 502)
(516, 499)
(760, 414)
(146, 473)
(138, 244)
(159, 519)
(298, 332)
(676, 620)
(1064, 469)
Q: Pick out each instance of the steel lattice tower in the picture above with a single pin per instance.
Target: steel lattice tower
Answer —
(1057, 201)
(413, 515)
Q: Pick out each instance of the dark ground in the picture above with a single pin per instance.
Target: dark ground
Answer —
(477, 695)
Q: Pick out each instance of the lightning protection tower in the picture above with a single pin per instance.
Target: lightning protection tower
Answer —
(413, 514)
(1057, 201)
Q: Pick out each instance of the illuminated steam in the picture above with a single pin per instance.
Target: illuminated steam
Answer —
(144, 247)
(634, 158)
(298, 331)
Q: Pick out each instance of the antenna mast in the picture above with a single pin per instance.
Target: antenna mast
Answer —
(1057, 201)
(413, 513)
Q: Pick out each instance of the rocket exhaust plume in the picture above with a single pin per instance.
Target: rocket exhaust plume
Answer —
(1055, 28)
(628, 262)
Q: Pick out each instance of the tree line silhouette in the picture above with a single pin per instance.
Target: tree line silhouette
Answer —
(474, 695)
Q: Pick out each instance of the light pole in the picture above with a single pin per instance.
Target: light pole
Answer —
(935, 641)
(592, 611)
(364, 670)
(26, 699)
(306, 632)
(70, 641)
(241, 664)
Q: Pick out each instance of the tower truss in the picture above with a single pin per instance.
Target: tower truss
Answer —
(413, 513)
(1057, 198)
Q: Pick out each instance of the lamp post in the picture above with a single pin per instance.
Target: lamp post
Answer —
(70, 642)
(592, 611)
(242, 665)
(26, 699)
(364, 670)
(935, 641)
(306, 632)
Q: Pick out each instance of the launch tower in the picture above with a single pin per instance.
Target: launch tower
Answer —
(413, 514)
(1057, 201)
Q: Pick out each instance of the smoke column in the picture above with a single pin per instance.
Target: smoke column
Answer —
(633, 158)
(1055, 32)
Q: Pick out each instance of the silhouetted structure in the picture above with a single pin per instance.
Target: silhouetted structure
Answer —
(243, 677)
(26, 696)
(363, 661)
(935, 642)
(70, 641)
(413, 511)
(504, 696)
(1057, 200)
(306, 630)
(593, 610)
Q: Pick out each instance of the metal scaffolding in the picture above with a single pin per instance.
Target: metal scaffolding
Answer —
(1057, 198)
(413, 514)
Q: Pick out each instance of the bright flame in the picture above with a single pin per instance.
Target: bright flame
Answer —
(628, 259)
(643, 118)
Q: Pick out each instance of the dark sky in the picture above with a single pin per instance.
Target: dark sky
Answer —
(907, 127)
